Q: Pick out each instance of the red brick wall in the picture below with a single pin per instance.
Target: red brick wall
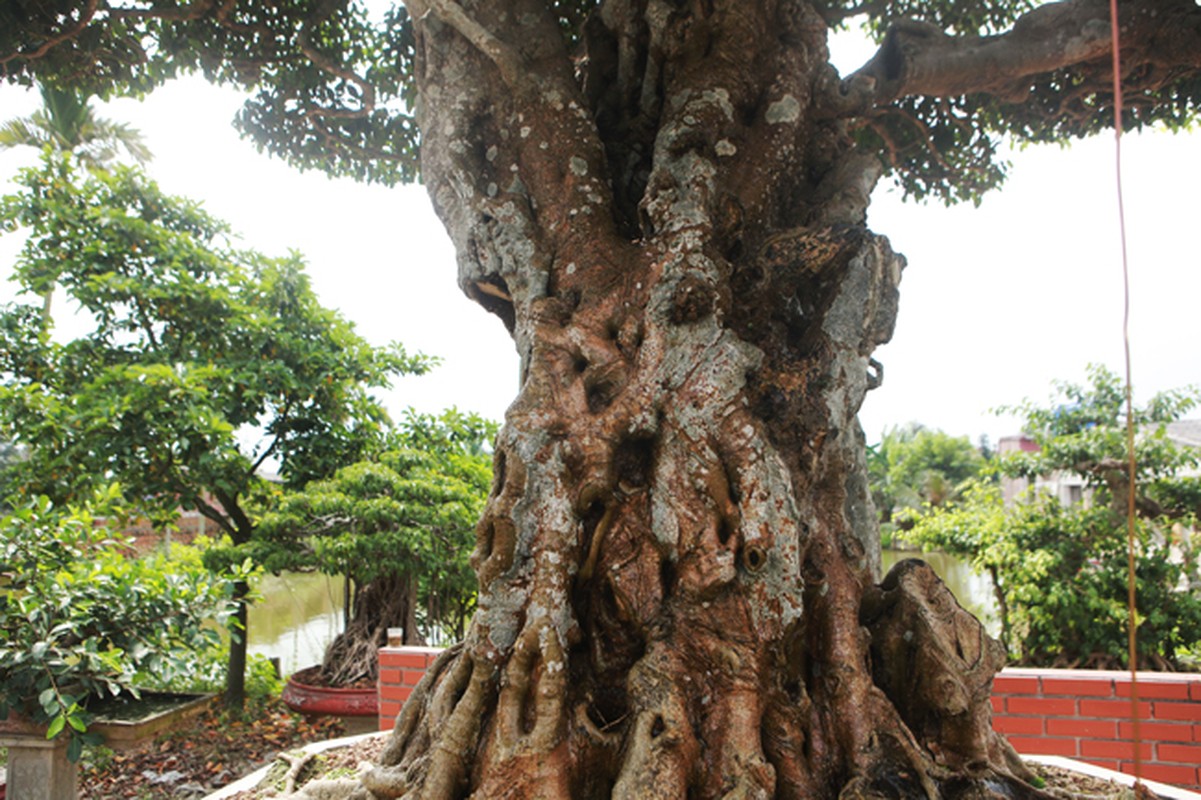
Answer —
(1082, 714)
(1085, 714)
(400, 668)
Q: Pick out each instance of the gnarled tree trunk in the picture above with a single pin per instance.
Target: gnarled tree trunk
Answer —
(677, 564)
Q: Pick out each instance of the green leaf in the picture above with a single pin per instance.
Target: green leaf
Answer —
(56, 726)
(74, 749)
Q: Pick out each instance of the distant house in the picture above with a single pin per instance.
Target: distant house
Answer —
(146, 537)
(1068, 487)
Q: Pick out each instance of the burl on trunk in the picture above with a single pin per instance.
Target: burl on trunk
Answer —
(678, 562)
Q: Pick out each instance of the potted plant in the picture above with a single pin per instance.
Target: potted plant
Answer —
(400, 527)
(79, 617)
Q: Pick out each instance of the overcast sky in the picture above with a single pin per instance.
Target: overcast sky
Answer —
(996, 301)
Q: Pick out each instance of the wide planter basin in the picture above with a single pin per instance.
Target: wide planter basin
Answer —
(301, 694)
(126, 722)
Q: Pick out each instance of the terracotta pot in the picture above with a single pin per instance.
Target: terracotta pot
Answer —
(307, 698)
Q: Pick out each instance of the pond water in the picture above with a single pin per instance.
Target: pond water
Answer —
(296, 618)
(300, 614)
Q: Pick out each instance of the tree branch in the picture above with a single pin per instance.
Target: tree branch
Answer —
(85, 18)
(506, 57)
(328, 65)
(237, 522)
(917, 58)
(208, 511)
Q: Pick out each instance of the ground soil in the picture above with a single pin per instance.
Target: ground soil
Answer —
(348, 760)
(211, 751)
(215, 750)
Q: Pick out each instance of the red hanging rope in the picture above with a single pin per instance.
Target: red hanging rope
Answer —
(1131, 592)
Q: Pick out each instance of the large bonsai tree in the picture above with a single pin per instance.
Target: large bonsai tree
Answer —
(665, 204)
(399, 526)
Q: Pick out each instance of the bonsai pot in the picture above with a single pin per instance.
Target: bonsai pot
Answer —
(358, 706)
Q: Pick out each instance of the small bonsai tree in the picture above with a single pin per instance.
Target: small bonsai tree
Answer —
(79, 617)
(399, 526)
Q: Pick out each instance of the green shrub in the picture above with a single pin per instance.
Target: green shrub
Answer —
(80, 619)
(1061, 579)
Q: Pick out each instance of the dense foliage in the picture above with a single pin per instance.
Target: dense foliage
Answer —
(912, 466)
(79, 618)
(334, 89)
(1060, 571)
(1060, 576)
(200, 365)
(191, 343)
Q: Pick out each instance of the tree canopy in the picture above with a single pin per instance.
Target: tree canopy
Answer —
(334, 84)
(1082, 430)
(410, 508)
(399, 525)
(191, 345)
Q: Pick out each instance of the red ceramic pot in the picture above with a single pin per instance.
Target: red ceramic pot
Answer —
(303, 696)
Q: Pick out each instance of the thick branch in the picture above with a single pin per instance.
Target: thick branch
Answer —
(919, 59)
(507, 60)
(212, 513)
(71, 32)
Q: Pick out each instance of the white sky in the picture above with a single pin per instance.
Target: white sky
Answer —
(996, 302)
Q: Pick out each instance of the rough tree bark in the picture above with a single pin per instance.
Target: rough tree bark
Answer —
(678, 563)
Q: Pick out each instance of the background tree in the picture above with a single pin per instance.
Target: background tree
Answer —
(202, 366)
(1082, 430)
(1059, 571)
(666, 204)
(1059, 575)
(912, 466)
(10, 454)
(399, 527)
(67, 124)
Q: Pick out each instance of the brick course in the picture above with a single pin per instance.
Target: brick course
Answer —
(1086, 714)
(400, 670)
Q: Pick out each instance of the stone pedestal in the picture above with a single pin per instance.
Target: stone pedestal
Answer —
(38, 769)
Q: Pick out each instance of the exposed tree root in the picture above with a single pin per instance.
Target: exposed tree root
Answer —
(353, 656)
(932, 667)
